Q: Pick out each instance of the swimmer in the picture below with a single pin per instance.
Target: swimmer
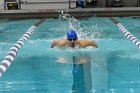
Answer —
(72, 41)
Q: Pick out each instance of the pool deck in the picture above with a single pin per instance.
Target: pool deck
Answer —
(77, 12)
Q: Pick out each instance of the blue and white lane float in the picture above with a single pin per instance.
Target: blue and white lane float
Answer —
(128, 35)
(6, 62)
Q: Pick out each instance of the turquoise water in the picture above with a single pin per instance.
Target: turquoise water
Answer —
(112, 68)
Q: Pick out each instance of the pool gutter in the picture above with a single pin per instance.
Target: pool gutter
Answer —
(77, 12)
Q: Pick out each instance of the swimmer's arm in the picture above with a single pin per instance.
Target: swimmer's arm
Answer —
(93, 43)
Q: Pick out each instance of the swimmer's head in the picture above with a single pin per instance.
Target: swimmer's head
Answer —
(72, 34)
(72, 37)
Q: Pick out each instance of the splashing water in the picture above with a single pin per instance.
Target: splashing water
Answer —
(90, 33)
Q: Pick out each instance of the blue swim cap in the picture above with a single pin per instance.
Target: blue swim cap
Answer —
(71, 34)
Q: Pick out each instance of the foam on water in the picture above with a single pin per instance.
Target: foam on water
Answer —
(88, 33)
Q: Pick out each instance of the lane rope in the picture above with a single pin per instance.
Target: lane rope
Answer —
(6, 62)
(127, 34)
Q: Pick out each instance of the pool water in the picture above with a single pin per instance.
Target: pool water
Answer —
(114, 67)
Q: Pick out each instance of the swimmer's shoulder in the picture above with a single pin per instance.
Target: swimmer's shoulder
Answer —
(60, 41)
(85, 43)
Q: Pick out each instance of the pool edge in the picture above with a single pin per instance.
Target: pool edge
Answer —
(77, 12)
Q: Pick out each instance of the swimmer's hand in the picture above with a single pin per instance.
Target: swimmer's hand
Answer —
(93, 43)
(52, 45)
